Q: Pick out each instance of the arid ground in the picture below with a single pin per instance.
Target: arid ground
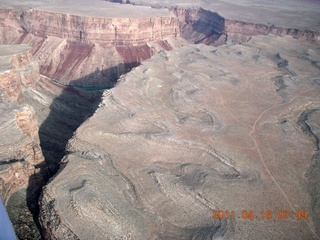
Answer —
(160, 119)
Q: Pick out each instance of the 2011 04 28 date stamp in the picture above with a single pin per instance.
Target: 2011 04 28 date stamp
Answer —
(264, 214)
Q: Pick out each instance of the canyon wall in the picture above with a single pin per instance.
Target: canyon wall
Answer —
(239, 31)
(96, 50)
(198, 25)
(110, 31)
(10, 27)
(19, 144)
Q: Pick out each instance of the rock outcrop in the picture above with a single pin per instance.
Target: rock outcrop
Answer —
(299, 14)
(98, 30)
(10, 28)
(198, 25)
(101, 47)
(32, 108)
(190, 133)
(239, 31)
(70, 46)
(19, 145)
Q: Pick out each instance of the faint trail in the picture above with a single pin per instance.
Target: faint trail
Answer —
(256, 145)
(264, 162)
(223, 104)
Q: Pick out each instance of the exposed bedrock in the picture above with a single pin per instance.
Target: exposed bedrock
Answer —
(18, 71)
(19, 145)
(110, 31)
(10, 27)
(20, 152)
(198, 25)
(190, 131)
(19, 148)
(70, 47)
(309, 121)
(37, 119)
(118, 1)
(60, 110)
(239, 31)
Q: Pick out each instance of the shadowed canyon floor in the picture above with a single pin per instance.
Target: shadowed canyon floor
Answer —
(191, 131)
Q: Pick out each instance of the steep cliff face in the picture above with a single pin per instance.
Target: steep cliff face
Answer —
(111, 31)
(19, 144)
(18, 71)
(239, 31)
(20, 151)
(198, 25)
(70, 47)
(10, 27)
(89, 64)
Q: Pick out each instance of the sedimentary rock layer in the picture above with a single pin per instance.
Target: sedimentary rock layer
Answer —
(17, 71)
(198, 25)
(300, 14)
(19, 144)
(191, 131)
(238, 31)
(95, 49)
(72, 46)
(111, 31)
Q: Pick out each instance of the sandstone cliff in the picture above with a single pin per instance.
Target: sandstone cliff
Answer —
(69, 47)
(10, 27)
(199, 25)
(111, 31)
(18, 71)
(239, 31)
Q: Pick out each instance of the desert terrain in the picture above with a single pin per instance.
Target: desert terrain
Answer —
(160, 119)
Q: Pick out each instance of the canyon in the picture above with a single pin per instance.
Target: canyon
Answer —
(140, 120)
(154, 165)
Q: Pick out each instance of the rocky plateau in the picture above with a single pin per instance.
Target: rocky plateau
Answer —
(144, 119)
(174, 141)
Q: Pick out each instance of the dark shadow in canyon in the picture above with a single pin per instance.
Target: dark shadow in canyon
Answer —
(68, 111)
